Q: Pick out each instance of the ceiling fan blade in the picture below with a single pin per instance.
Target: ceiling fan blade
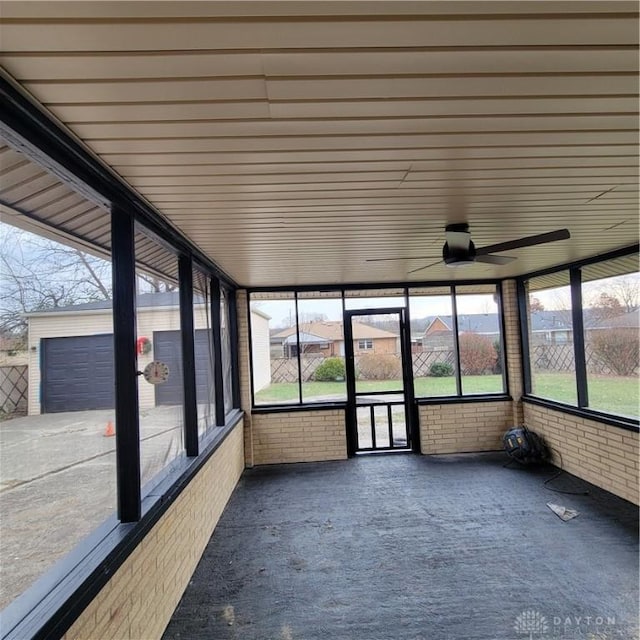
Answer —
(433, 264)
(458, 240)
(489, 259)
(529, 241)
(402, 258)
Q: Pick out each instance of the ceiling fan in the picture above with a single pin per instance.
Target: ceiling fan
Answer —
(459, 250)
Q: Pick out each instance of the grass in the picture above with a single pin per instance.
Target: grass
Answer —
(618, 395)
(288, 391)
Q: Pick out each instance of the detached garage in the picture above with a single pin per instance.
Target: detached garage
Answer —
(167, 348)
(71, 355)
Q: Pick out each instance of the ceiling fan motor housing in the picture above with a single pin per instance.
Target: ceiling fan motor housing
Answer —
(458, 257)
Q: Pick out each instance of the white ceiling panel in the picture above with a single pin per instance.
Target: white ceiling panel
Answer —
(294, 141)
(391, 88)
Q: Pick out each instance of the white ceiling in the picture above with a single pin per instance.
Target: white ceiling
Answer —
(293, 141)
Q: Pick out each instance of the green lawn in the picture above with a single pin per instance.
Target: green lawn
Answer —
(616, 395)
(619, 395)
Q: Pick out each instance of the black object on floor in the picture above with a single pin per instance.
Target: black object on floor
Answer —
(413, 548)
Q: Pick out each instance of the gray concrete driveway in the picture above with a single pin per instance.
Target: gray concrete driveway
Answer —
(58, 483)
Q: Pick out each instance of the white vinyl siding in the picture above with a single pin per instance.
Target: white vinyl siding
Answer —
(87, 323)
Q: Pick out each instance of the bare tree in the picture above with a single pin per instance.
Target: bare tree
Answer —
(626, 289)
(307, 317)
(37, 274)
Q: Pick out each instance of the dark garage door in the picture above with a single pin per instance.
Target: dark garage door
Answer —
(168, 349)
(77, 373)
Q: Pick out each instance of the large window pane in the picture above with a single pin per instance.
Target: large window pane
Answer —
(610, 311)
(432, 342)
(57, 457)
(227, 375)
(274, 349)
(479, 342)
(321, 347)
(159, 340)
(551, 353)
(204, 353)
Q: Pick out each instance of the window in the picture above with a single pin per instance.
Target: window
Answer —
(457, 353)
(596, 368)
(158, 324)
(225, 337)
(610, 308)
(204, 353)
(298, 349)
(321, 341)
(550, 326)
(58, 471)
(479, 340)
(433, 349)
(275, 369)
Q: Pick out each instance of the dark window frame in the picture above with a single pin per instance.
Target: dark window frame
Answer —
(60, 594)
(301, 404)
(51, 605)
(581, 407)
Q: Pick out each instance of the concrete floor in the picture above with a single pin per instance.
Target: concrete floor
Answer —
(58, 483)
(413, 548)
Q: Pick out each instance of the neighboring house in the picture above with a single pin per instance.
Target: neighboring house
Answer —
(439, 330)
(326, 338)
(416, 343)
(551, 327)
(71, 354)
(547, 327)
(438, 334)
(628, 321)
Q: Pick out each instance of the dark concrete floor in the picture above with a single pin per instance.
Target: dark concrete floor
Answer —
(416, 548)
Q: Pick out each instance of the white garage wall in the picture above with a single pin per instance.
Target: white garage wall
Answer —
(260, 350)
(65, 324)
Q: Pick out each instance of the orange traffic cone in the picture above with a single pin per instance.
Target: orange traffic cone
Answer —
(110, 430)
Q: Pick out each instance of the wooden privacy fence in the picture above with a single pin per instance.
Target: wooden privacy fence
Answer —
(13, 390)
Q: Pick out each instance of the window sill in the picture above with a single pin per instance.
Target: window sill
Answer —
(501, 397)
(286, 408)
(327, 406)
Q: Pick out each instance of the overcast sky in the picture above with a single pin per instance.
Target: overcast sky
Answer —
(281, 311)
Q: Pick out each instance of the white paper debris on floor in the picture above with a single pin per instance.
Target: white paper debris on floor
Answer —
(562, 512)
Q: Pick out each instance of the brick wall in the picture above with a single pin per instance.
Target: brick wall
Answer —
(458, 428)
(299, 436)
(139, 600)
(601, 454)
(244, 364)
(513, 348)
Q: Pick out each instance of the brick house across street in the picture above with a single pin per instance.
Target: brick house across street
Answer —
(326, 338)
